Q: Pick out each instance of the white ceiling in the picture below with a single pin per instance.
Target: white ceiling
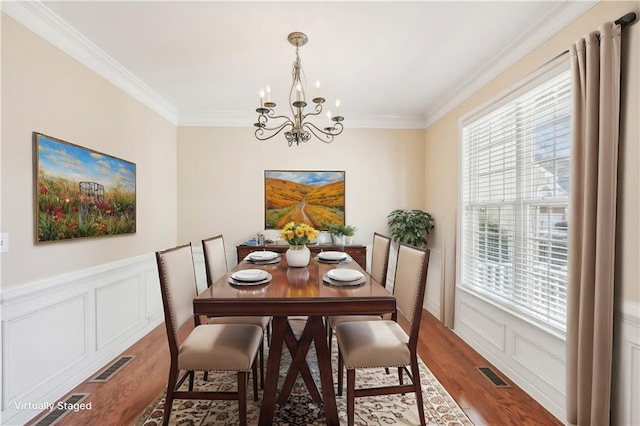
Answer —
(392, 64)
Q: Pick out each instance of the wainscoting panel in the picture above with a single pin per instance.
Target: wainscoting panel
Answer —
(57, 341)
(121, 296)
(58, 332)
(487, 327)
(531, 353)
(626, 365)
(153, 298)
(535, 360)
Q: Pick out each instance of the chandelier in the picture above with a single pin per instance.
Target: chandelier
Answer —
(298, 129)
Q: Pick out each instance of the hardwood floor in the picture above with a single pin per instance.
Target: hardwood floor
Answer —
(122, 400)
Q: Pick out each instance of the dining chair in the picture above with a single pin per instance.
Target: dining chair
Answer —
(208, 347)
(215, 265)
(379, 266)
(384, 343)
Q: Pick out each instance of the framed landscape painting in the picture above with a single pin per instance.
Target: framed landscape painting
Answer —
(81, 193)
(312, 197)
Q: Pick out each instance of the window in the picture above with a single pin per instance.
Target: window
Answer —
(515, 187)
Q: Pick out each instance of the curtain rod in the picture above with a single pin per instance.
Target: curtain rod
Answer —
(626, 20)
(623, 21)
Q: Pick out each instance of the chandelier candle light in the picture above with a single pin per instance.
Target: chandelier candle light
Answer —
(298, 130)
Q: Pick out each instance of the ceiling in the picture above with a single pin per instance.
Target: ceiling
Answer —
(391, 64)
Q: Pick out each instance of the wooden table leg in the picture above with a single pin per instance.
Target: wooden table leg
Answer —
(299, 364)
(268, 407)
(324, 365)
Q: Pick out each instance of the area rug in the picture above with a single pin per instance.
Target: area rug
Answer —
(300, 410)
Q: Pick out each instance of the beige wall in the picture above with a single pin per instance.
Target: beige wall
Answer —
(221, 178)
(441, 151)
(45, 90)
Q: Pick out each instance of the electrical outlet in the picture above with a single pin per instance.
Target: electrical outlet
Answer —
(4, 242)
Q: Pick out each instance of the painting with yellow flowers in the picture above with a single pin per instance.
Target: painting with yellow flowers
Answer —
(312, 197)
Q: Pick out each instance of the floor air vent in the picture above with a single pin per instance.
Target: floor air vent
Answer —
(493, 377)
(111, 370)
(61, 409)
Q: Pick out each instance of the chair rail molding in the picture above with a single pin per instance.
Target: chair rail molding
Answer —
(70, 326)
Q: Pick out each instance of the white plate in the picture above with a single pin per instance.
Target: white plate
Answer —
(267, 280)
(249, 275)
(263, 255)
(332, 255)
(344, 274)
(327, 279)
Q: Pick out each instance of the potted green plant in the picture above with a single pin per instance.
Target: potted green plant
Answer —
(337, 232)
(410, 226)
(349, 232)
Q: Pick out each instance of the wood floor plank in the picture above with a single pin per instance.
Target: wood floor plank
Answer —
(121, 400)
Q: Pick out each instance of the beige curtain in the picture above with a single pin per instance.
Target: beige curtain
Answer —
(595, 62)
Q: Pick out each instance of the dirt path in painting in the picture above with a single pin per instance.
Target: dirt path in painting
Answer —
(301, 207)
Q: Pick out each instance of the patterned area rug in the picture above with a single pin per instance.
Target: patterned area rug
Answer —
(439, 407)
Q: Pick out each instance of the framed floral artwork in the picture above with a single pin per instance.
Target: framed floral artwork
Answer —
(81, 193)
(312, 197)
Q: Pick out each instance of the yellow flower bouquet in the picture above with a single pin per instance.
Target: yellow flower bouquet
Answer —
(297, 234)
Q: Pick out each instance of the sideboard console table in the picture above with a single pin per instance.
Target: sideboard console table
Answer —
(357, 252)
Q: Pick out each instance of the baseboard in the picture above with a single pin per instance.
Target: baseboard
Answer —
(57, 332)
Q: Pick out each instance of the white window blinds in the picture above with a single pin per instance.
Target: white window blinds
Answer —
(515, 186)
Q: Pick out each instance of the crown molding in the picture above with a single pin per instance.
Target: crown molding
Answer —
(246, 119)
(514, 50)
(41, 20)
(38, 18)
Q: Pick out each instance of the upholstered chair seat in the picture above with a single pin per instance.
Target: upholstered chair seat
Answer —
(228, 347)
(372, 344)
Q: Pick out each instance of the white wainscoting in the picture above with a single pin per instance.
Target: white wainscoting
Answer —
(536, 360)
(626, 365)
(58, 332)
(533, 359)
(434, 283)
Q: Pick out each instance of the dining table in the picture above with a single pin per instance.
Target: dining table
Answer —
(306, 292)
